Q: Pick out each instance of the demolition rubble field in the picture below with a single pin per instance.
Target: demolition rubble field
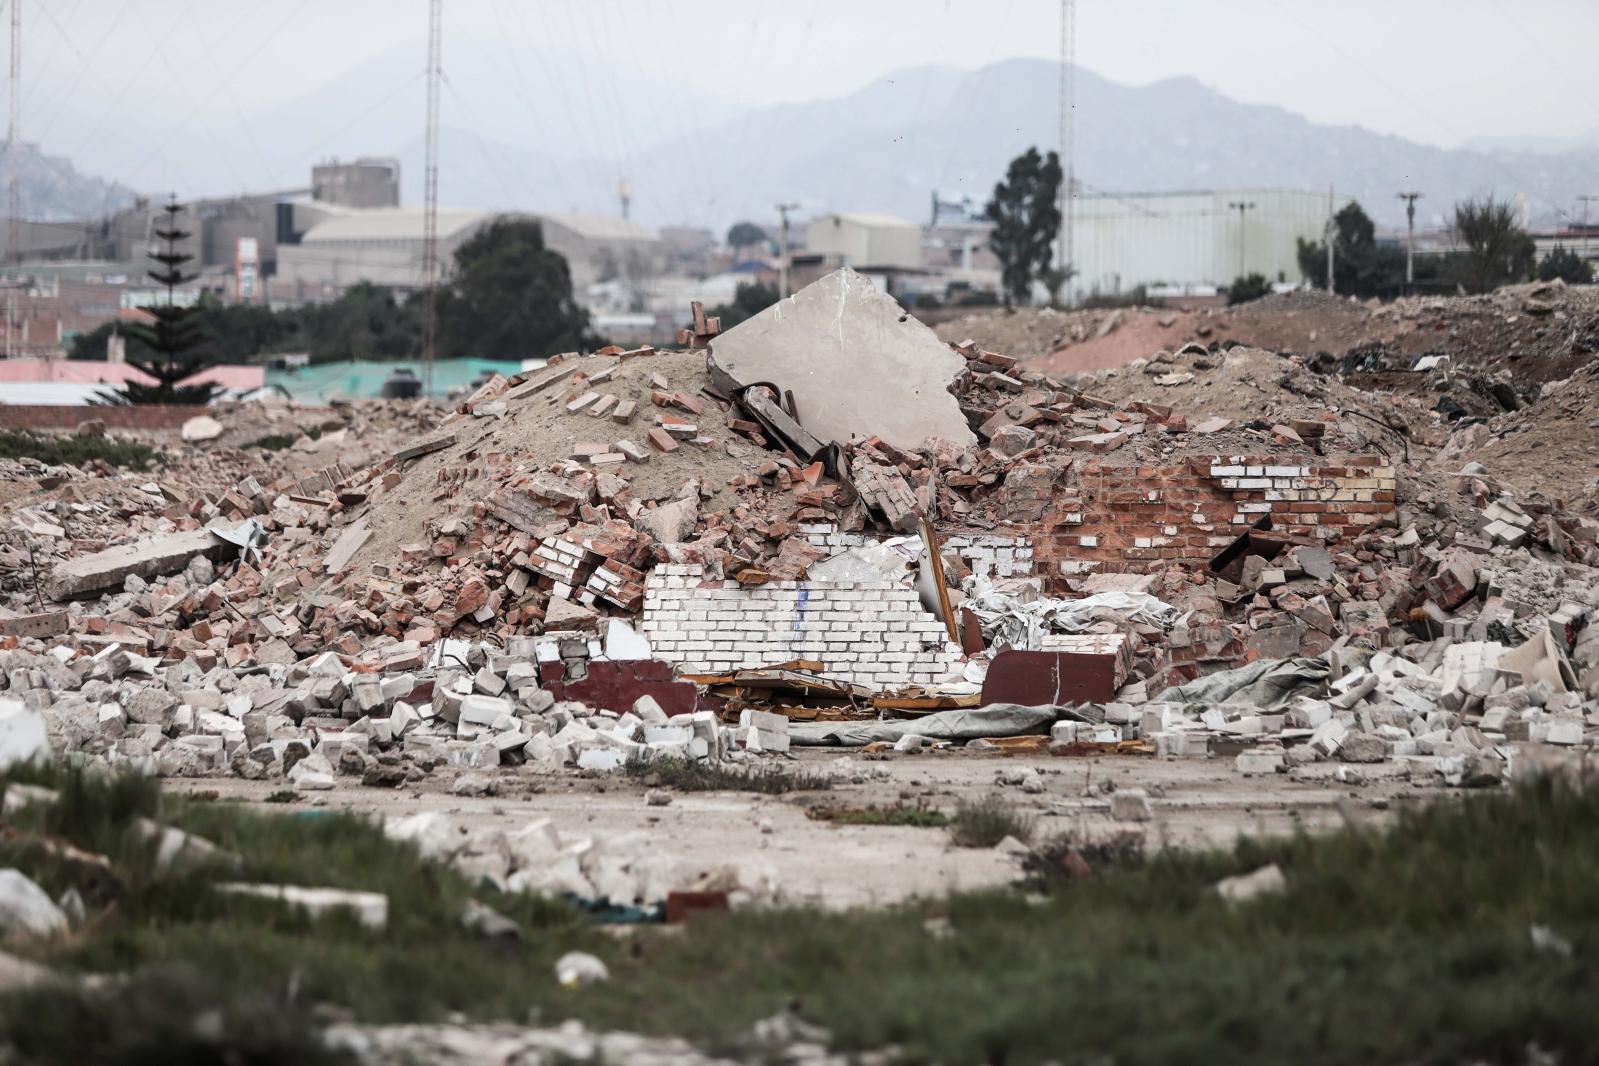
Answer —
(824, 627)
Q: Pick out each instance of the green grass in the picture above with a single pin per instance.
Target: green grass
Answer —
(1409, 945)
(708, 775)
(74, 451)
(918, 816)
(985, 822)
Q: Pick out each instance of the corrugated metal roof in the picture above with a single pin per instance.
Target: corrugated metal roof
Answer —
(601, 227)
(867, 218)
(391, 224)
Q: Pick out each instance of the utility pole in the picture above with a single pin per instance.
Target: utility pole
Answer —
(1241, 206)
(624, 193)
(782, 249)
(1410, 199)
(1585, 201)
(1066, 247)
(430, 209)
(1332, 239)
(11, 185)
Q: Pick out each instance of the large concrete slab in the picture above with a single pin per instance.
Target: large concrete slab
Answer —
(858, 365)
(151, 557)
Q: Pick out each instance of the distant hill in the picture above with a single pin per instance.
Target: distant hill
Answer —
(50, 189)
(556, 131)
(888, 146)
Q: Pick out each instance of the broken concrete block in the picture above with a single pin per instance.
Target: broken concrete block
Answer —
(1131, 805)
(23, 734)
(200, 428)
(605, 759)
(151, 557)
(25, 907)
(857, 364)
(1264, 881)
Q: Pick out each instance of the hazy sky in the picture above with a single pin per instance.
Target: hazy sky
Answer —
(1437, 71)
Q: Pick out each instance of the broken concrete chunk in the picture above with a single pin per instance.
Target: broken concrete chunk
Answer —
(857, 364)
(151, 557)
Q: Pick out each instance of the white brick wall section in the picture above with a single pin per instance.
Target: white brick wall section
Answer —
(872, 633)
(990, 556)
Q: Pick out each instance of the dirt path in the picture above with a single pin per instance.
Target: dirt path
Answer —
(1201, 803)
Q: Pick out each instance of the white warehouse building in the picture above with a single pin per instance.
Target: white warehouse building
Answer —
(863, 241)
(1191, 240)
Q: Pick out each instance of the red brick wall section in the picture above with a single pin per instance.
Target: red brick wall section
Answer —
(1139, 518)
(138, 416)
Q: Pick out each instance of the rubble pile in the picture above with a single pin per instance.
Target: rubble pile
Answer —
(640, 554)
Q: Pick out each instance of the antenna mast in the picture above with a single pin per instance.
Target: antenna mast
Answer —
(430, 211)
(11, 185)
(1068, 105)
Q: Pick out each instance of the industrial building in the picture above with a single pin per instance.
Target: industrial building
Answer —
(1191, 241)
(384, 246)
(865, 241)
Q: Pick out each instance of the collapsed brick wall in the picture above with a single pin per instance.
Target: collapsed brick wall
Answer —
(67, 416)
(1137, 518)
(870, 633)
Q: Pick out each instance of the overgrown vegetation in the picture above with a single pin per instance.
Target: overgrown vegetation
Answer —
(1411, 944)
(919, 815)
(1563, 264)
(985, 822)
(74, 451)
(707, 775)
(1247, 287)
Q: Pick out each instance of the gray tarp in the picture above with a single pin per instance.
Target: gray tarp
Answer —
(995, 720)
(1265, 683)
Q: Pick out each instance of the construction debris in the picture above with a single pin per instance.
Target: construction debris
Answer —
(828, 528)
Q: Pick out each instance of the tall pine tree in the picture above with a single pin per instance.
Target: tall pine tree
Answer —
(174, 339)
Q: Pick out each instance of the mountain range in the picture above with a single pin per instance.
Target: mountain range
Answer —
(533, 131)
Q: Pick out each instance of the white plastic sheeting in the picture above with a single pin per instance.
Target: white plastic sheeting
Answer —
(1009, 622)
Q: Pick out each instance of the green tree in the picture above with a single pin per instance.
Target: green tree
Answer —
(1245, 288)
(745, 235)
(749, 300)
(1498, 251)
(366, 322)
(511, 297)
(1025, 211)
(170, 346)
(1565, 265)
(1362, 267)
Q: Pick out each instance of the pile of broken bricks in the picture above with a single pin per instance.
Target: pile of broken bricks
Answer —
(479, 646)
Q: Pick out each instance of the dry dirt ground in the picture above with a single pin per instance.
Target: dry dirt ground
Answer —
(1200, 803)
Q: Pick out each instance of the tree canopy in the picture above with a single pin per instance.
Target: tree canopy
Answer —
(1565, 265)
(510, 297)
(1025, 210)
(1498, 251)
(745, 235)
(1361, 266)
(749, 300)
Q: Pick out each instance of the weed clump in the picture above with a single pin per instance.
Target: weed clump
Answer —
(707, 775)
(74, 451)
(985, 822)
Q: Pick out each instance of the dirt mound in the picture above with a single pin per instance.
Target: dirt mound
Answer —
(1549, 449)
(538, 432)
